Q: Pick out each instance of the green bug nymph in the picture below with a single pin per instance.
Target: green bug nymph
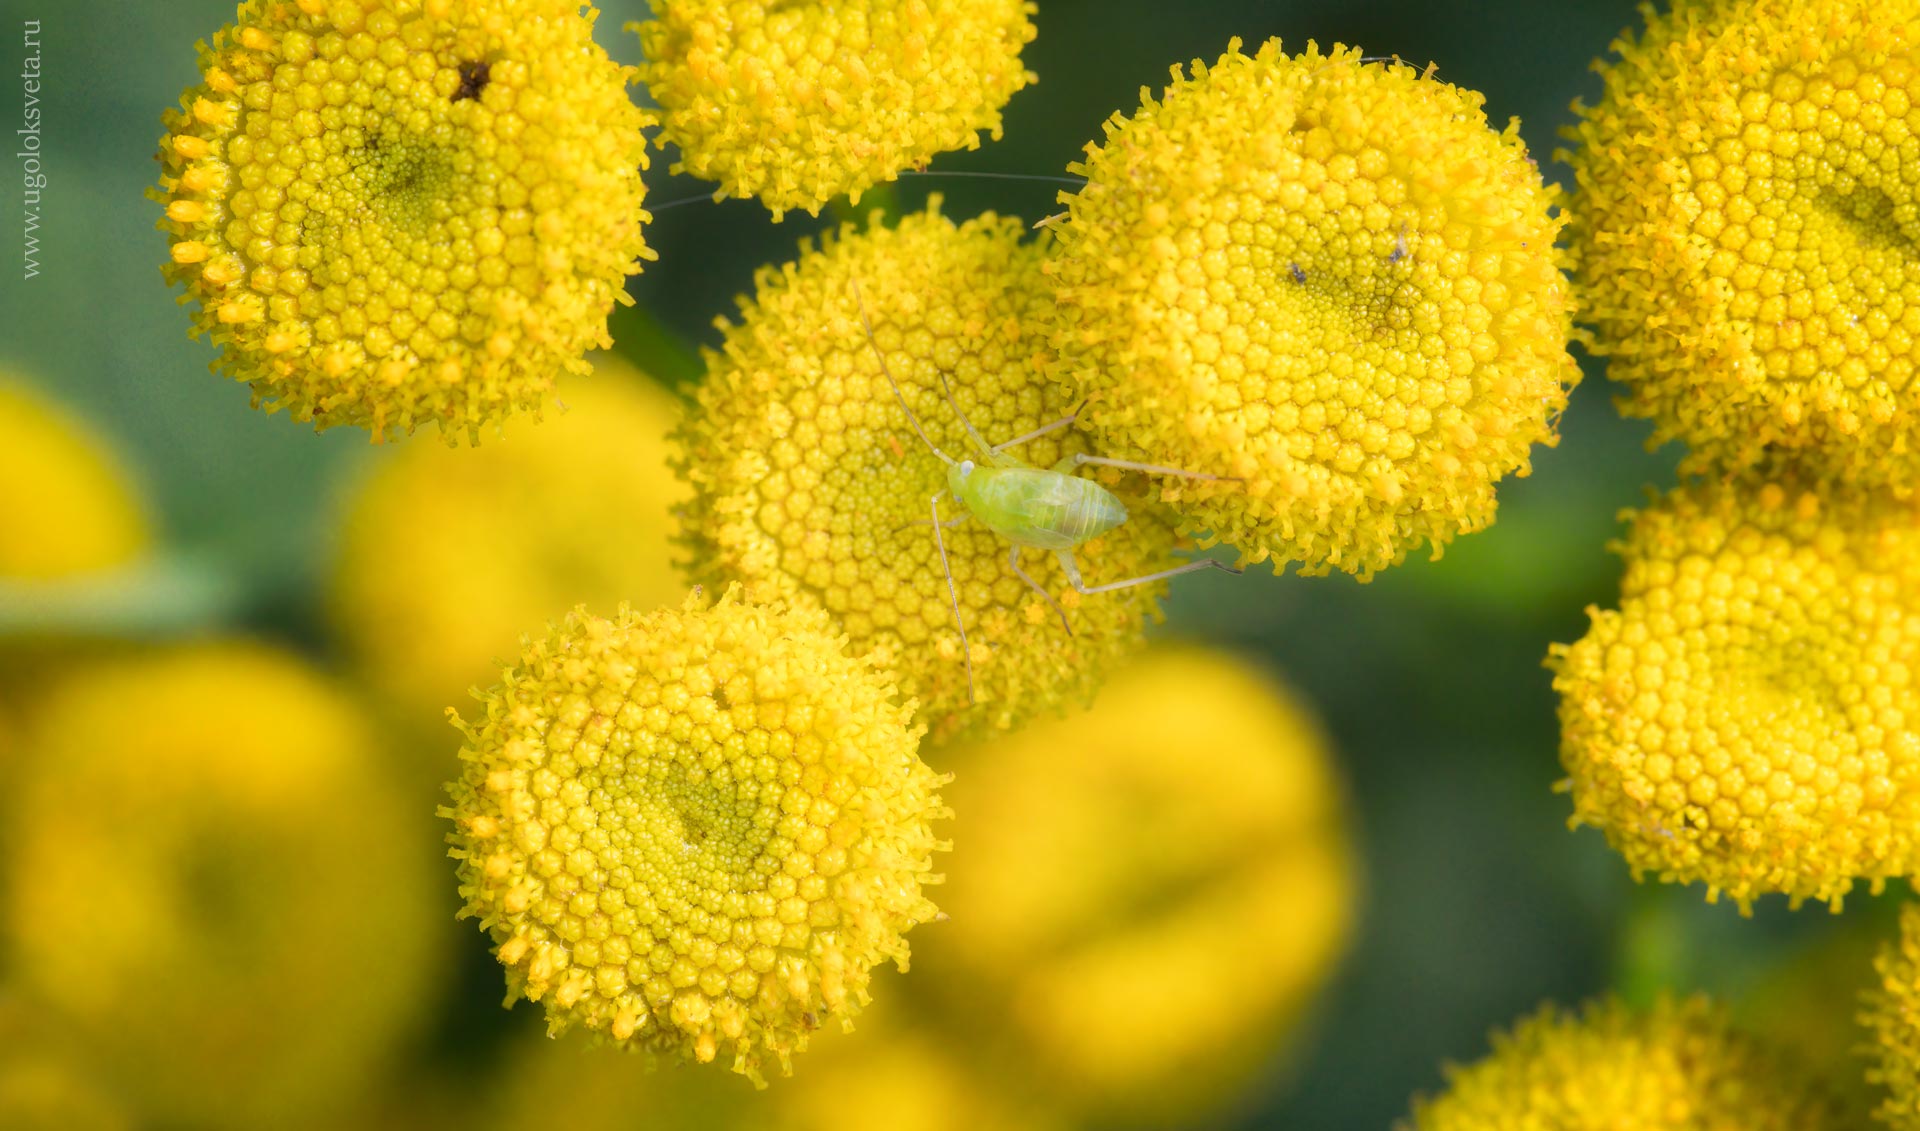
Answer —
(1042, 508)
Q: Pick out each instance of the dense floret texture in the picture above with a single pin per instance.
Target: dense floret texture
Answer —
(397, 212)
(1330, 279)
(1745, 718)
(694, 832)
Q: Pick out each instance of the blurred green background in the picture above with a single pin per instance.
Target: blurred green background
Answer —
(1478, 904)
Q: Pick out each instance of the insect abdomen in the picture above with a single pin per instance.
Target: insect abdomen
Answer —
(1048, 510)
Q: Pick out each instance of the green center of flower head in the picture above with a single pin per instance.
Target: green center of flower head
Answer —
(407, 185)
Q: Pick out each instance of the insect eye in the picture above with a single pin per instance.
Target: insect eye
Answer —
(966, 468)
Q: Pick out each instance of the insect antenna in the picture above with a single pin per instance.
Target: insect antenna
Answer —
(867, 323)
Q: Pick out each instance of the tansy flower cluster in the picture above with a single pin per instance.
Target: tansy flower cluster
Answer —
(1679, 1066)
(1745, 227)
(799, 103)
(695, 831)
(1326, 278)
(397, 212)
(809, 481)
(1745, 718)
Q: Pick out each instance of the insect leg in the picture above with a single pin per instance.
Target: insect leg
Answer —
(1073, 573)
(1077, 459)
(1013, 559)
(1037, 432)
(953, 591)
(949, 524)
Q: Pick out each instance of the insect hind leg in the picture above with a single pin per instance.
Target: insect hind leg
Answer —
(953, 591)
(1013, 559)
(1073, 574)
(1080, 459)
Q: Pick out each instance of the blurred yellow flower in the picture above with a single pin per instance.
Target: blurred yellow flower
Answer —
(1892, 1020)
(211, 881)
(447, 556)
(1807, 1005)
(798, 103)
(395, 212)
(1743, 229)
(1148, 896)
(69, 505)
(1678, 1066)
(1328, 278)
(810, 483)
(887, 1075)
(695, 831)
(1744, 719)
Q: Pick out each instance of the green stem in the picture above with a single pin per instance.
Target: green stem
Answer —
(1652, 954)
(157, 598)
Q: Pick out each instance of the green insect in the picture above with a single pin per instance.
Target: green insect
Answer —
(1031, 507)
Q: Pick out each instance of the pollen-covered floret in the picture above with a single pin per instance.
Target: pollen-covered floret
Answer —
(1148, 895)
(396, 212)
(213, 883)
(447, 556)
(68, 506)
(1744, 231)
(1679, 1066)
(1892, 1018)
(695, 831)
(1328, 278)
(809, 481)
(798, 103)
(1745, 718)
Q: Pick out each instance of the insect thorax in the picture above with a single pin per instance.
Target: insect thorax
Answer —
(1047, 510)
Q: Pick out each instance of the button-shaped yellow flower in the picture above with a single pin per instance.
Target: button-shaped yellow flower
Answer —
(798, 103)
(211, 880)
(1892, 1018)
(1679, 1066)
(1147, 896)
(396, 212)
(1745, 718)
(1328, 278)
(695, 831)
(448, 556)
(1744, 230)
(68, 505)
(809, 481)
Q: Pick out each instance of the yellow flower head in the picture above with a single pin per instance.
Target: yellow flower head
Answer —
(68, 505)
(1330, 279)
(1147, 895)
(1893, 1020)
(209, 878)
(1744, 718)
(695, 831)
(1743, 231)
(448, 555)
(1676, 1067)
(393, 212)
(810, 482)
(799, 103)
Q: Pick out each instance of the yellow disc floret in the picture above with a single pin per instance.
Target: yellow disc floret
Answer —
(67, 505)
(695, 831)
(1892, 1018)
(1745, 231)
(1679, 1066)
(395, 212)
(798, 103)
(809, 480)
(447, 555)
(211, 880)
(1329, 279)
(1745, 718)
(1148, 895)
